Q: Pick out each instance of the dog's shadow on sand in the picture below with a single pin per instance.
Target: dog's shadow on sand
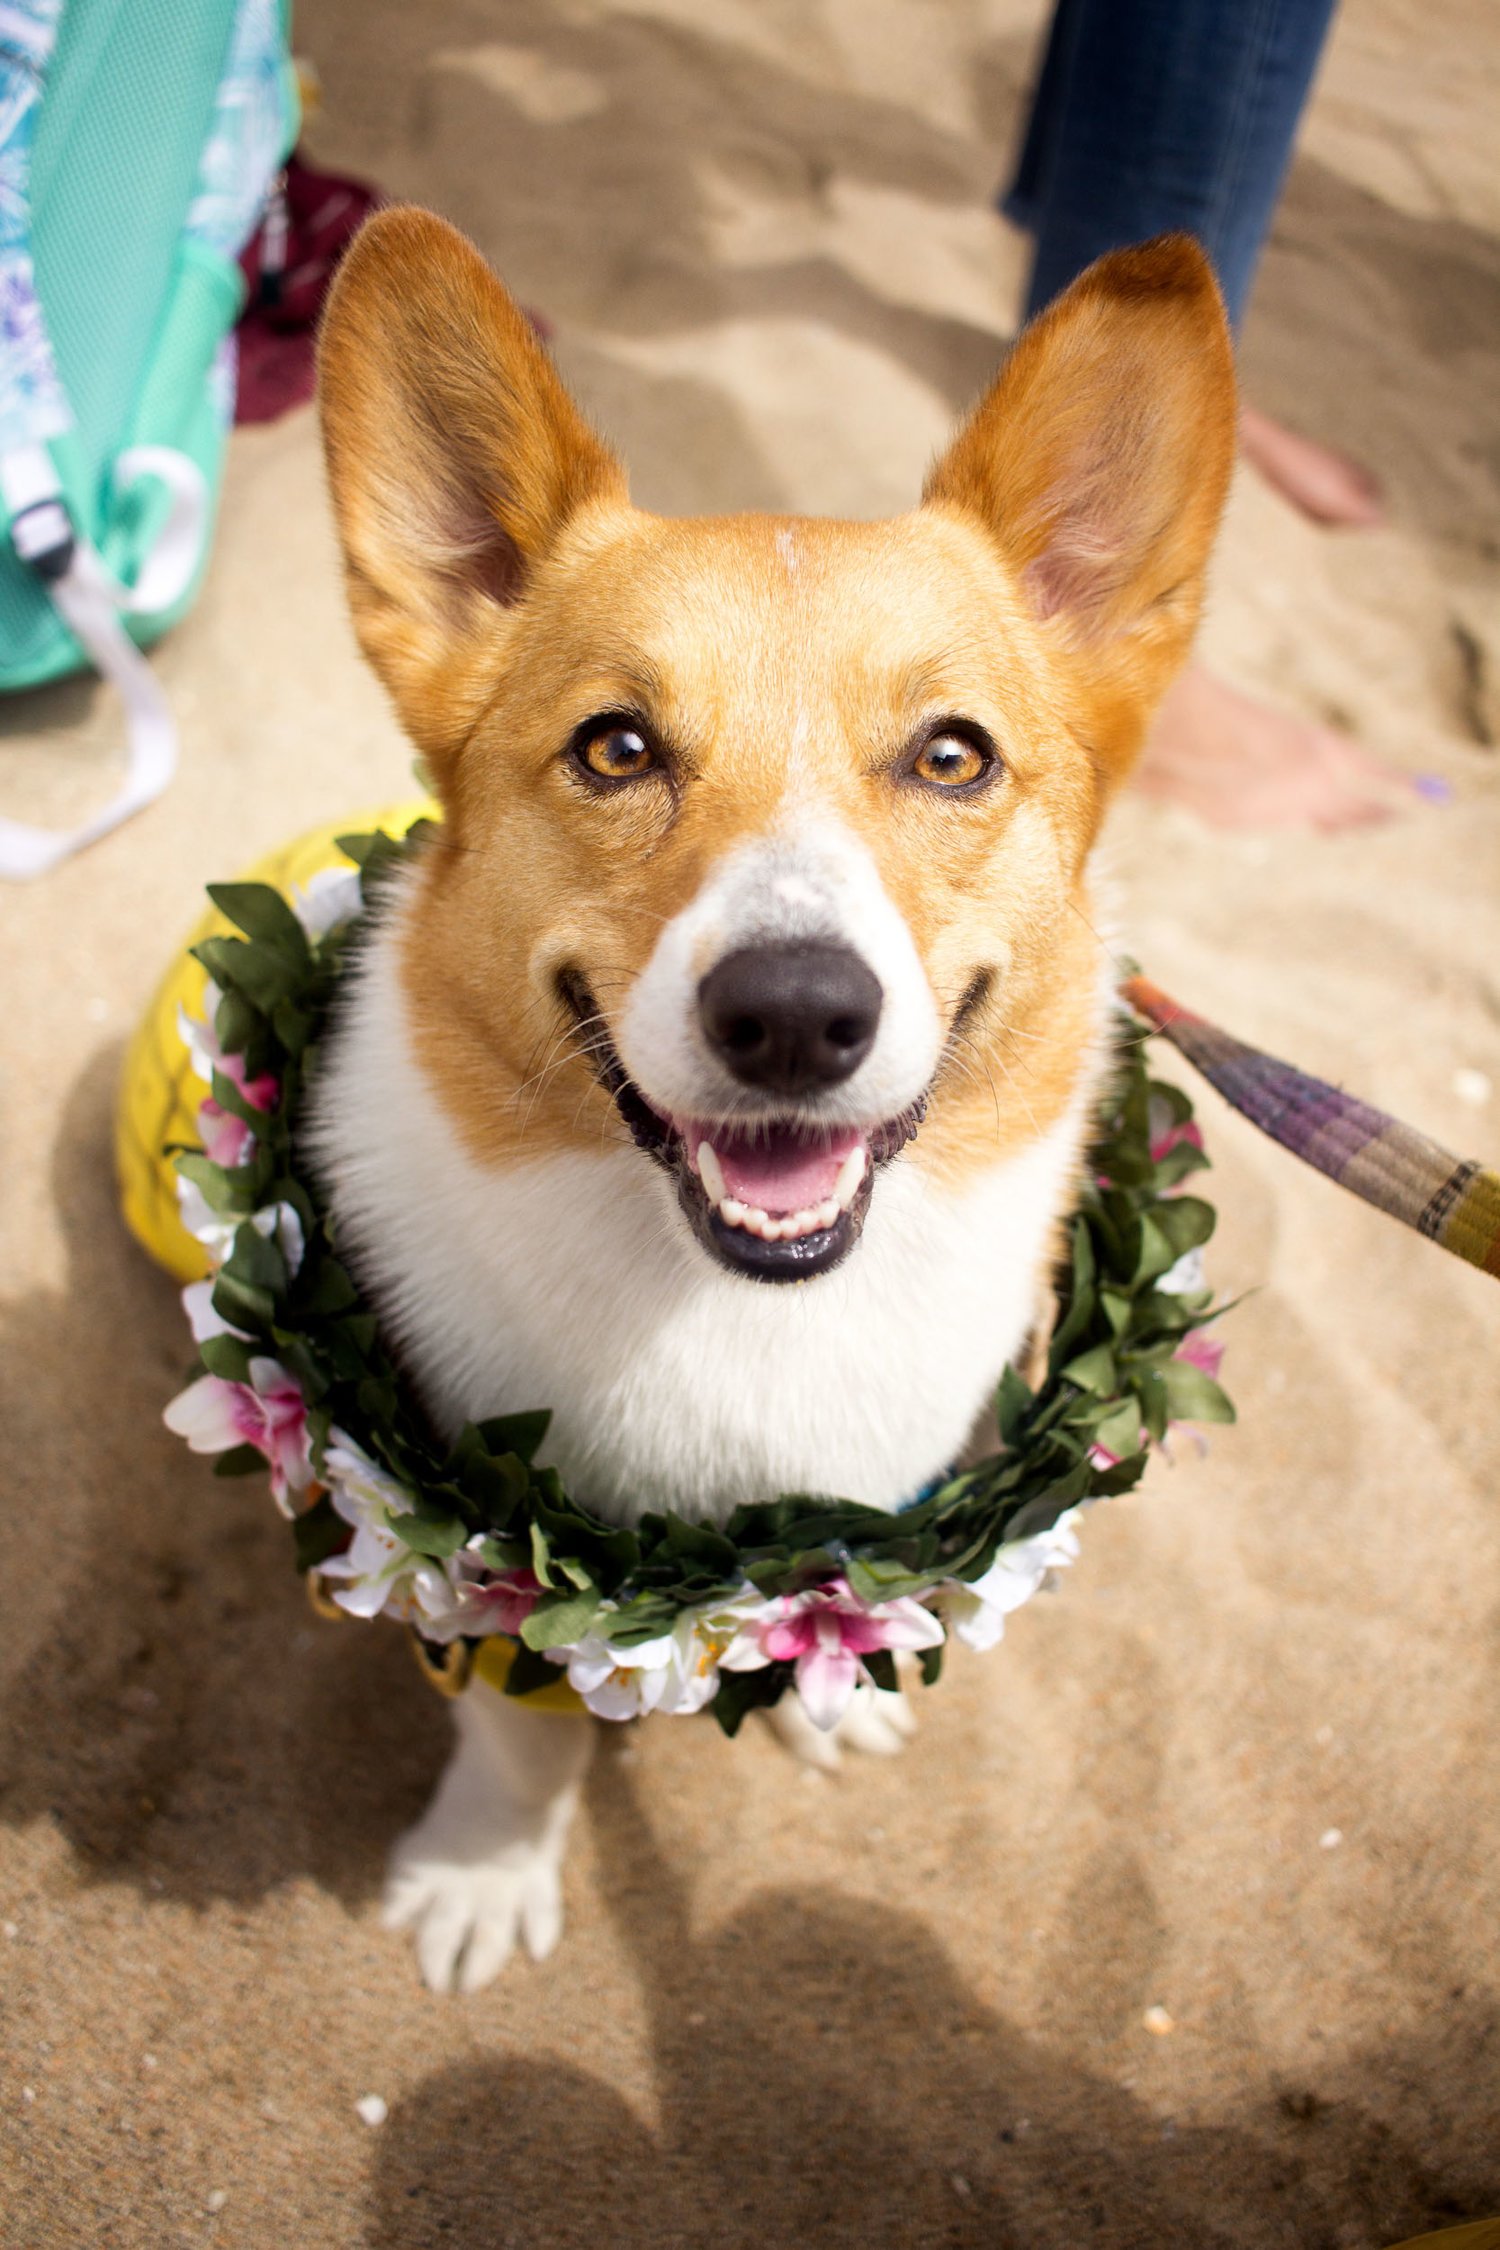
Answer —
(820, 2071)
(822, 2075)
(171, 1703)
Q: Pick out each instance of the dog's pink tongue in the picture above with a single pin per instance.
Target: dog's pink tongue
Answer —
(776, 1169)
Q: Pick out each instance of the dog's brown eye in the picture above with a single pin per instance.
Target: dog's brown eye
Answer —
(616, 752)
(952, 761)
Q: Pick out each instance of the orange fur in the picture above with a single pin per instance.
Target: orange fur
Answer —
(505, 590)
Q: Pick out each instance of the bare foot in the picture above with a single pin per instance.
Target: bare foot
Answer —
(1238, 764)
(1318, 480)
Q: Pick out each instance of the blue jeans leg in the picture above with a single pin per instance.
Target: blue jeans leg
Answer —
(1157, 116)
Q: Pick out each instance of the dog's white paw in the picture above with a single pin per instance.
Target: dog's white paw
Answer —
(877, 1721)
(468, 1913)
(482, 1869)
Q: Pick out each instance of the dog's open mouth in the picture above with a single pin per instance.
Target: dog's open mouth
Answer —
(777, 1198)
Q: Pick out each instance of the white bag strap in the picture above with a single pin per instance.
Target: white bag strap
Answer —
(91, 601)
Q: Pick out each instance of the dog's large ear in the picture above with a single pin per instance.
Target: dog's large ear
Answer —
(1099, 463)
(455, 458)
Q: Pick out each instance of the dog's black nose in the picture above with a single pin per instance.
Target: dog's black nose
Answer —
(791, 1017)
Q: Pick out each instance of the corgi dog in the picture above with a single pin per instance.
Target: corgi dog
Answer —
(718, 1076)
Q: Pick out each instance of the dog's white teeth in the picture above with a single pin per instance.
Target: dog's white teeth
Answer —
(752, 1220)
(851, 1172)
(788, 1226)
(710, 1172)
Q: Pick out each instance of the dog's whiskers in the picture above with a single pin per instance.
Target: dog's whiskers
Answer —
(576, 1044)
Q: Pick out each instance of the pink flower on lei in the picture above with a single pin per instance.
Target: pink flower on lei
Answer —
(1197, 1349)
(827, 1633)
(227, 1139)
(1165, 1137)
(268, 1412)
(488, 1601)
(1202, 1351)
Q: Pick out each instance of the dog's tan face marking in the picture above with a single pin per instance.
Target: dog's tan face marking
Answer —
(781, 695)
(776, 703)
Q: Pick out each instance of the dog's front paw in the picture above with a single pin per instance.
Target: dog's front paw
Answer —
(878, 1721)
(467, 1911)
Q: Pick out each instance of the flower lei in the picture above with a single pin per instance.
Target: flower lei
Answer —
(474, 1540)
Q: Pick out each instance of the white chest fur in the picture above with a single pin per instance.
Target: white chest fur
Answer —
(572, 1282)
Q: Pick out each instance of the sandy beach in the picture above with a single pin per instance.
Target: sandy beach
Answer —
(1237, 1775)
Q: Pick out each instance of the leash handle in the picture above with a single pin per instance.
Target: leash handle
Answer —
(1453, 1202)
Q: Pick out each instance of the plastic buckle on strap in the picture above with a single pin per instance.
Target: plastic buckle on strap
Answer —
(44, 539)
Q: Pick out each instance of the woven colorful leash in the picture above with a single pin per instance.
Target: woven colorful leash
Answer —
(1454, 1203)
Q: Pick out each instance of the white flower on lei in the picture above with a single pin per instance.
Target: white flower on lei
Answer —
(360, 1489)
(198, 1304)
(199, 1037)
(216, 1230)
(381, 1573)
(977, 1609)
(332, 897)
(625, 1683)
(1186, 1276)
(678, 1672)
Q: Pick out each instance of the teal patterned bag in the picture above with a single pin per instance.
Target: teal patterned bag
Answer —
(140, 141)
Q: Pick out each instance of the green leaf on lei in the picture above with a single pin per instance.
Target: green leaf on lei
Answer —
(1193, 1396)
(1013, 1402)
(434, 1536)
(559, 1619)
(1094, 1371)
(263, 914)
(317, 1534)
(229, 1358)
(519, 1434)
